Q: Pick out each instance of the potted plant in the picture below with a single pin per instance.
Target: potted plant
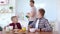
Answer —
(1, 30)
(11, 8)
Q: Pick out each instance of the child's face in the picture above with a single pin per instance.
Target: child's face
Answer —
(15, 20)
(39, 15)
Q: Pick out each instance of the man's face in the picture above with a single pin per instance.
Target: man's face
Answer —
(31, 4)
(15, 20)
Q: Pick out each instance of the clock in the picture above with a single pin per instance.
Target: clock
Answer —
(4, 2)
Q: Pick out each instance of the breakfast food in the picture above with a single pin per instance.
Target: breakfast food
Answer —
(21, 30)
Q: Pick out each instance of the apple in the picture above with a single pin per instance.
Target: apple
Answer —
(24, 28)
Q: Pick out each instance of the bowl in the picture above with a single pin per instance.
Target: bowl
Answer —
(32, 29)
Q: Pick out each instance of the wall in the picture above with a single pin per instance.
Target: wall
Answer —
(48, 5)
(58, 14)
(58, 10)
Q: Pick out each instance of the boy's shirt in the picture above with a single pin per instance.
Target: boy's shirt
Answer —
(17, 24)
(42, 24)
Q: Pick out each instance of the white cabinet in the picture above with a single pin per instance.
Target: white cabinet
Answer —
(5, 17)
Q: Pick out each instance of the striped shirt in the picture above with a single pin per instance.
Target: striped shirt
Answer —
(43, 24)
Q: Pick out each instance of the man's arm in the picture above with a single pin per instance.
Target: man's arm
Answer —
(31, 25)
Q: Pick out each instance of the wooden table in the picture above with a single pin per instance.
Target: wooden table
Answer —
(44, 33)
(55, 32)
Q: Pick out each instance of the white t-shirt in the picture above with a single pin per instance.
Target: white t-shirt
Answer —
(33, 9)
(36, 26)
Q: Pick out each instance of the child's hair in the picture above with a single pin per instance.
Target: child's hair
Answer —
(13, 17)
(42, 11)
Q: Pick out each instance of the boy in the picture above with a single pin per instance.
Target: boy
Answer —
(41, 23)
(15, 23)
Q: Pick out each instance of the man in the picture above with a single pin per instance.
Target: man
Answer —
(41, 23)
(32, 14)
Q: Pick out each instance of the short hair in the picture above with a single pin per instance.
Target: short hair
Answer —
(13, 17)
(32, 1)
(42, 11)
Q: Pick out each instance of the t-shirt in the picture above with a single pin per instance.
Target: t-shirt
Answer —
(36, 26)
(33, 9)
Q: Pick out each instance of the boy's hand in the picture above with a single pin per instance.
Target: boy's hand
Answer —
(38, 30)
(43, 29)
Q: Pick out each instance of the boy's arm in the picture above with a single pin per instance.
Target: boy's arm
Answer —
(31, 25)
(47, 26)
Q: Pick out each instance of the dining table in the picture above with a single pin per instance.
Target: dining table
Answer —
(27, 32)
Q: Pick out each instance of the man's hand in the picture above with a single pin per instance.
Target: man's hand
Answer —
(28, 14)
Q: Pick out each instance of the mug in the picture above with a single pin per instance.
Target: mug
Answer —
(11, 27)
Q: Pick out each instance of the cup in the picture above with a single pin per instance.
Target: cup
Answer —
(7, 29)
(11, 27)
